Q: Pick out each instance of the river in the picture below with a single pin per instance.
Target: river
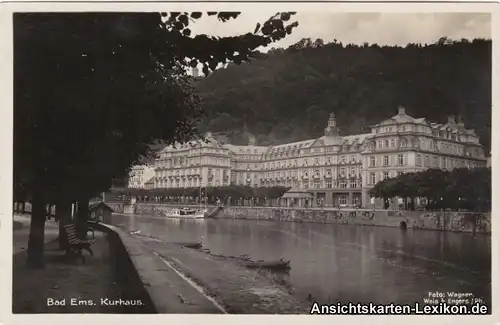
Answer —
(343, 263)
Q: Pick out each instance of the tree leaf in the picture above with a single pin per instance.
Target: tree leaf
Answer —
(184, 20)
(285, 16)
(196, 15)
(257, 28)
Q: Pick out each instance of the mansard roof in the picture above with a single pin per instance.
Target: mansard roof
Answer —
(249, 149)
(291, 146)
(403, 118)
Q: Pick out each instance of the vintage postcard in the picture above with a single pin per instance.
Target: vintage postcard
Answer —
(177, 160)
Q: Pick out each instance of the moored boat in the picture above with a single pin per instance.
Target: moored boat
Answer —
(271, 265)
(185, 213)
(195, 245)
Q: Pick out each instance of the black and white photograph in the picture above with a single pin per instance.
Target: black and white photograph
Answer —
(212, 159)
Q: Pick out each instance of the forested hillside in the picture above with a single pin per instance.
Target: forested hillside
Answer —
(287, 94)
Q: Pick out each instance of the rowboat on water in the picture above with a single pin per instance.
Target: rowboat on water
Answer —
(195, 245)
(272, 265)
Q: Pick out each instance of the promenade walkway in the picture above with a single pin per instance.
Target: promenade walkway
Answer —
(86, 283)
(22, 233)
(237, 289)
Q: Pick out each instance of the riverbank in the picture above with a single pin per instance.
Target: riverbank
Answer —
(230, 287)
(444, 221)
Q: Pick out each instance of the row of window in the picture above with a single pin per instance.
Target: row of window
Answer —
(332, 184)
(188, 184)
(316, 161)
(329, 183)
(343, 171)
(393, 144)
(373, 179)
(454, 136)
(442, 162)
(186, 161)
(342, 199)
(425, 144)
(386, 160)
(239, 157)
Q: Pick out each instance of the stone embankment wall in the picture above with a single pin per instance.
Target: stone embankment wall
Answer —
(125, 263)
(149, 208)
(450, 221)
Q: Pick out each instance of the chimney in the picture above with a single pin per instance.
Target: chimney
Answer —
(196, 72)
(451, 119)
(401, 110)
(460, 121)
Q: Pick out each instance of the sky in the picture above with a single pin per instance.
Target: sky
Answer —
(382, 28)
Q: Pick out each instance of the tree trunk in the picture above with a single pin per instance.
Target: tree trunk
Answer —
(82, 215)
(37, 228)
(386, 203)
(47, 211)
(23, 207)
(63, 212)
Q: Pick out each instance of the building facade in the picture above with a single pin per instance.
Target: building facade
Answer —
(333, 169)
(139, 175)
(150, 183)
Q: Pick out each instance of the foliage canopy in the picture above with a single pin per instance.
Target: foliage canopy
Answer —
(460, 188)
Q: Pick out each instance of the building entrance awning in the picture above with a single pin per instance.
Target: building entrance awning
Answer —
(297, 194)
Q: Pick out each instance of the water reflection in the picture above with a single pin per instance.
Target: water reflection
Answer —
(341, 262)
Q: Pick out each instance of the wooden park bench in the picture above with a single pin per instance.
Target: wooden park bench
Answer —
(76, 245)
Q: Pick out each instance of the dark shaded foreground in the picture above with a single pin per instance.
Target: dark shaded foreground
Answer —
(89, 285)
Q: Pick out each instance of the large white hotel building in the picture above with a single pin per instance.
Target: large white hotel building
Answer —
(338, 170)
